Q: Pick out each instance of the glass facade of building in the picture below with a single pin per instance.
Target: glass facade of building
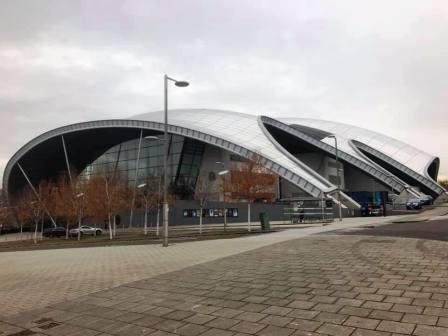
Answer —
(184, 161)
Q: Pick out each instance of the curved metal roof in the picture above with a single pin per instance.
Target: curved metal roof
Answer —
(235, 132)
(246, 131)
(406, 154)
(246, 135)
(351, 139)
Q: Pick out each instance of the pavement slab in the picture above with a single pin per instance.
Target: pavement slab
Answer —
(390, 286)
(36, 279)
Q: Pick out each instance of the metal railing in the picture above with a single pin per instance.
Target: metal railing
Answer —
(309, 215)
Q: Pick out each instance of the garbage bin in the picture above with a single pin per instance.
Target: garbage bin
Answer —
(264, 222)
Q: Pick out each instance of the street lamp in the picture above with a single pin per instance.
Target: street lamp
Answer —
(152, 137)
(337, 174)
(145, 196)
(222, 173)
(165, 155)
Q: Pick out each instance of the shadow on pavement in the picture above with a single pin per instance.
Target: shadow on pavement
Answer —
(433, 230)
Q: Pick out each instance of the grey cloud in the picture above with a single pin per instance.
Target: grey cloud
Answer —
(378, 65)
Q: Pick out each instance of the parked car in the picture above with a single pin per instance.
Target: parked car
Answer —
(371, 210)
(426, 200)
(86, 230)
(54, 232)
(5, 229)
(414, 204)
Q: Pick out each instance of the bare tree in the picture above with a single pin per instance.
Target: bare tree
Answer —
(6, 217)
(64, 203)
(107, 195)
(202, 194)
(444, 183)
(252, 182)
(45, 197)
(24, 209)
(150, 198)
(36, 209)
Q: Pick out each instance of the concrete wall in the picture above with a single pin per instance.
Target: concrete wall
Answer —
(212, 155)
(356, 180)
(316, 161)
(176, 217)
(289, 190)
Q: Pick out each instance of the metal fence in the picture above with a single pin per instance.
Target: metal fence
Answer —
(309, 210)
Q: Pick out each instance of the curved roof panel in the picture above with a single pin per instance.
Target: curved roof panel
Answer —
(245, 134)
(242, 129)
(408, 155)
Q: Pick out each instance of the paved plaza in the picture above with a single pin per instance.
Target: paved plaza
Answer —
(310, 285)
(34, 279)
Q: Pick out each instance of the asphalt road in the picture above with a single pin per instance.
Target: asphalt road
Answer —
(433, 230)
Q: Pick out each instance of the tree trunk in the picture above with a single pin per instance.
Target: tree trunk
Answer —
(110, 226)
(146, 219)
(158, 220)
(248, 216)
(42, 228)
(66, 230)
(21, 231)
(79, 226)
(115, 226)
(225, 218)
(200, 220)
(36, 223)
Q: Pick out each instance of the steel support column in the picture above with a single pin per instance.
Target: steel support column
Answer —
(36, 193)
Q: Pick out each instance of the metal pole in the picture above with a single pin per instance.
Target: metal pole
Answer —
(79, 221)
(116, 162)
(338, 177)
(131, 216)
(165, 165)
(158, 208)
(146, 215)
(36, 194)
(66, 162)
(224, 203)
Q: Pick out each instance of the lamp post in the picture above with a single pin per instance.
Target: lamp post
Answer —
(337, 174)
(165, 155)
(222, 173)
(145, 196)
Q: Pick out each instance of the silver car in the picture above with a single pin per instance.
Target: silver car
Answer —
(86, 230)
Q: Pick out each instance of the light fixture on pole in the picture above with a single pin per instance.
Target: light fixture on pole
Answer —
(222, 173)
(165, 155)
(152, 137)
(145, 196)
(337, 174)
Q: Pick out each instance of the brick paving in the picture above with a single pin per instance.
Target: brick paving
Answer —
(35, 279)
(317, 285)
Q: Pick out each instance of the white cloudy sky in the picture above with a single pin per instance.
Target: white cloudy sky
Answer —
(376, 64)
